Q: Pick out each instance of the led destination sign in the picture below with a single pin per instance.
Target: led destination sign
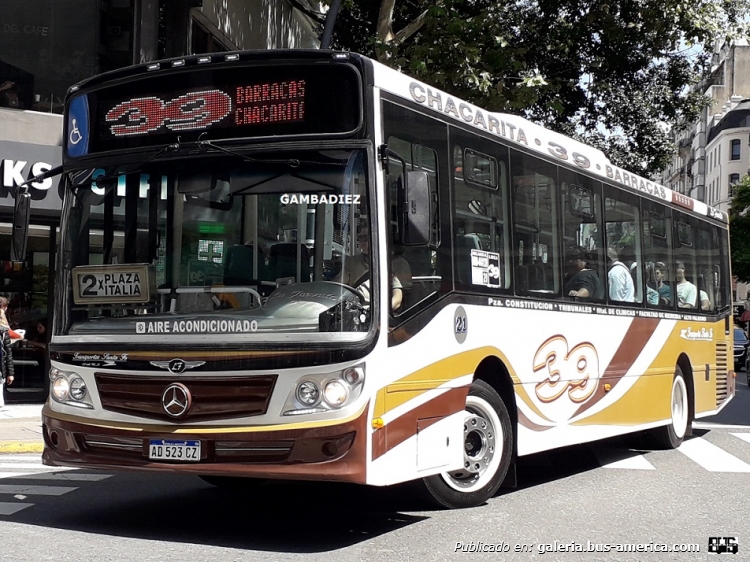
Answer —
(242, 101)
(275, 102)
(269, 102)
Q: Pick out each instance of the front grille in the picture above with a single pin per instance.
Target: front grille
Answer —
(722, 372)
(212, 398)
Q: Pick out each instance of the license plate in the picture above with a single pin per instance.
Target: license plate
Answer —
(169, 450)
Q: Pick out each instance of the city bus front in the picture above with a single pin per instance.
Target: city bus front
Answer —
(207, 315)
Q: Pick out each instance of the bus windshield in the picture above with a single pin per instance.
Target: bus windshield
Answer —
(225, 245)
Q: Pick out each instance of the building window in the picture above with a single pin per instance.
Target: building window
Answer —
(733, 179)
(736, 149)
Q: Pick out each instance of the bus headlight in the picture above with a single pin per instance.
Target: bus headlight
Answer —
(308, 393)
(60, 389)
(69, 388)
(335, 393)
(77, 388)
(322, 392)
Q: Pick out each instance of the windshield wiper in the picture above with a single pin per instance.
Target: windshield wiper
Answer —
(56, 171)
(291, 162)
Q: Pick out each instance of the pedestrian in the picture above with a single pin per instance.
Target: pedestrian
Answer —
(4, 324)
(6, 363)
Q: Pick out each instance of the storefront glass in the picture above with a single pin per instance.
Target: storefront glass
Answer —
(28, 287)
(46, 46)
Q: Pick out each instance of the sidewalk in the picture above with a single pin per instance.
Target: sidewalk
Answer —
(21, 428)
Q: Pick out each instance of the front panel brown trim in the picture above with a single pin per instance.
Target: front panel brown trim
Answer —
(304, 454)
(403, 427)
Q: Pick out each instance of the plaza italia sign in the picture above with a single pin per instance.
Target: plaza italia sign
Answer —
(20, 162)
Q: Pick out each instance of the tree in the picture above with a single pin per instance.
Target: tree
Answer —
(613, 73)
(739, 230)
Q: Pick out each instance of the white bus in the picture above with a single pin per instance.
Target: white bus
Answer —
(306, 265)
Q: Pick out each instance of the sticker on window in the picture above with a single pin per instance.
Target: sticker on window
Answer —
(485, 268)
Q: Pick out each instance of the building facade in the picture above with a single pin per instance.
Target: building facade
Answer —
(46, 46)
(714, 152)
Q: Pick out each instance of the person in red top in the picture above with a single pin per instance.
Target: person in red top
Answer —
(4, 321)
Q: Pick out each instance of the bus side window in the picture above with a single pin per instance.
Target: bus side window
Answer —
(624, 259)
(582, 229)
(685, 268)
(657, 255)
(481, 244)
(413, 266)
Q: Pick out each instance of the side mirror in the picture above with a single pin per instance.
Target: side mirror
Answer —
(20, 235)
(416, 209)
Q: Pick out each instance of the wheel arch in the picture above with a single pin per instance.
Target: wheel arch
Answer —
(494, 372)
(687, 371)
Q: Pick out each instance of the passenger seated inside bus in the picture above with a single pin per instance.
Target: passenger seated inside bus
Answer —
(581, 280)
(687, 293)
(705, 301)
(662, 285)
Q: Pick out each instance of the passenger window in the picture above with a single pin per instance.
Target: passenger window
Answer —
(708, 268)
(686, 273)
(657, 257)
(480, 245)
(624, 259)
(412, 269)
(582, 239)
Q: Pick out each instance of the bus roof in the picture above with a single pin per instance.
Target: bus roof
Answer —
(513, 128)
(523, 132)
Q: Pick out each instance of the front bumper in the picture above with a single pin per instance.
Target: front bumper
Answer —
(334, 452)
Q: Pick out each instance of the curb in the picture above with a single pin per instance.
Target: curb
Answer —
(20, 447)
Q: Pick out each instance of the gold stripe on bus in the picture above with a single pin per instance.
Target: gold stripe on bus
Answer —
(646, 401)
(199, 430)
(440, 372)
(430, 377)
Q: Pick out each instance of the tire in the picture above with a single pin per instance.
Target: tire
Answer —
(232, 482)
(671, 436)
(488, 451)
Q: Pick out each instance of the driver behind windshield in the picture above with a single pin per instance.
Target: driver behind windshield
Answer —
(355, 271)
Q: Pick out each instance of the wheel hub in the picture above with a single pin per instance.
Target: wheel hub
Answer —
(479, 449)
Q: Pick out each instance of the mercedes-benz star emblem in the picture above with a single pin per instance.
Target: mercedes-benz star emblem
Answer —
(177, 366)
(176, 400)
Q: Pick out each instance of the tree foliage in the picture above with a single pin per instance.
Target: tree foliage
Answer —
(613, 73)
(739, 230)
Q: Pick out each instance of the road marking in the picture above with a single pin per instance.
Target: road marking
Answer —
(9, 508)
(711, 457)
(617, 458)
(37, 465)
(67, 477)
(35, 490)
(709, 425)
(743, 436)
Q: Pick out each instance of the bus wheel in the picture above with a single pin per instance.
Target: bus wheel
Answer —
(232, 482)
(670, 436)
(488, 446)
